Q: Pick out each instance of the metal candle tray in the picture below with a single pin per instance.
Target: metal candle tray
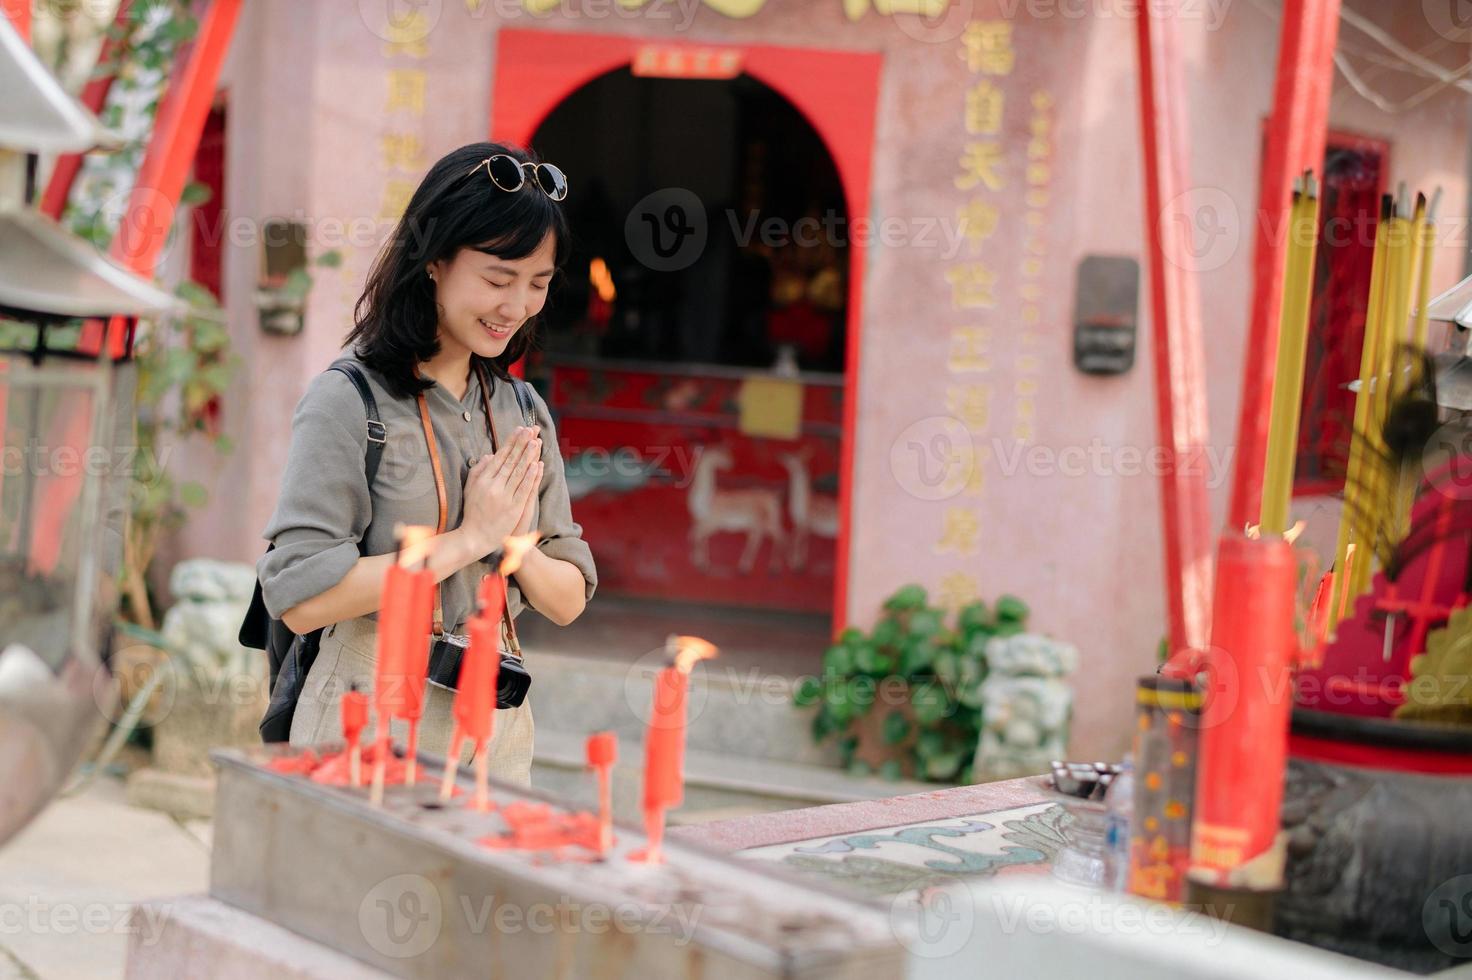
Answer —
(406, 888)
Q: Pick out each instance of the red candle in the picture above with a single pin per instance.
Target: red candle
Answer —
(421, 615)
(475, 700)
(1244, 739)
(664, 744)
(395, 614)
(664, 747)
(602, 753)
(404, 614)
(354, 720)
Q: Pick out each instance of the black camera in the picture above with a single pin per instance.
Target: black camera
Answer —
(512, 680)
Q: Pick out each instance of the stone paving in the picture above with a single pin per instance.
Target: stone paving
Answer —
(69, 879)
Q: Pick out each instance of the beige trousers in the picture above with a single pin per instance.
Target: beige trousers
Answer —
(347, 656)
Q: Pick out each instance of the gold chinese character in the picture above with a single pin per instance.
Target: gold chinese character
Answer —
(979, 165)
(956, 590)
(855, 9)
(1032, 291)
(988, 47)
(1026, 409)
(1036, 197)
(971, 286)
(1028, 363)
(977, 220)
(1023, 431)
(1035, 245)
(406, 36)
(1030, 315)
(405, 90)
(1042, 100)
(971, 403)
(983, 109)
(1026, 386)
(1038, 174)
(1032, 268)
(976, 482)
(1038, 149)
(1035, 219)
(402, 151)
(969, 349)
(958, 532)
(396, 195)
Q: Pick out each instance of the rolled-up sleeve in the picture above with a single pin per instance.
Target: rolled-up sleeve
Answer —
(562, 537)
(324, 506)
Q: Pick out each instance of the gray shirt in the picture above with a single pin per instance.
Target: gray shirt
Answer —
(326, 506)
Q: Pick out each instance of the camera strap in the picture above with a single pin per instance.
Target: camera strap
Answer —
(439, 488)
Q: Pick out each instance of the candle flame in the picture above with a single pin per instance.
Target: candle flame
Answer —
(515, 549)
(686, 650)
(414, 543)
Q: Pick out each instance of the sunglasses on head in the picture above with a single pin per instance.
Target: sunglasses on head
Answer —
(509, 174)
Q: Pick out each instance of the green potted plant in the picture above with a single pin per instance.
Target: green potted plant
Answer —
(904, 699)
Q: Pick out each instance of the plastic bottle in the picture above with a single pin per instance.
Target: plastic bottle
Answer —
(1120, 802)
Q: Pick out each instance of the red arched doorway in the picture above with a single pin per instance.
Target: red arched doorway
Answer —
(834, 91)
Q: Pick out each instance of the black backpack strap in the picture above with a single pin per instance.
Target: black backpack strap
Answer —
(257, 628)
(377, 434)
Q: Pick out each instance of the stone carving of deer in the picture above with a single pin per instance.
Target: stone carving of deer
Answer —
(756, 512)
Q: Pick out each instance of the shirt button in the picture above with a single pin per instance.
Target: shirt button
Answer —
(467, 416)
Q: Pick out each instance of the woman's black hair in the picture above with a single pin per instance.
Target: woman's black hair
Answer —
(395, 321)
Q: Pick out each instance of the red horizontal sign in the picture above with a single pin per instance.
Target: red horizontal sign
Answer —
(669, 61)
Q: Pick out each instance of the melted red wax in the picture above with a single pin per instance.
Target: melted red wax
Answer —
(537, 827)
(334, 768)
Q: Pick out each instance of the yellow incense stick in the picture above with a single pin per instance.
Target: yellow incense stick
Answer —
(1369, 351)
(1298, 281)
(1395, 305)
(1426, 232)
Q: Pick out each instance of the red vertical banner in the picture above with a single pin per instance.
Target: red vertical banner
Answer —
(1180, 376)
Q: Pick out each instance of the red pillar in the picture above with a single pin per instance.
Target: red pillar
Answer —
(145, 227)
(94, 97)
(1296, 132)
(1180, 382)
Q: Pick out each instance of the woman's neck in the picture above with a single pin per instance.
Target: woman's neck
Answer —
(450, 369)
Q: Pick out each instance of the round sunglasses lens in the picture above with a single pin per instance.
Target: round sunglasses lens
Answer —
(506, 172)
(552, 181)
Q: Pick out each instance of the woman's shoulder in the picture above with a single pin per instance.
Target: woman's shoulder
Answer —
(334, 393)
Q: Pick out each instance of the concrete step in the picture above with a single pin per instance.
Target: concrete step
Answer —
(736, 711)
(717, 784)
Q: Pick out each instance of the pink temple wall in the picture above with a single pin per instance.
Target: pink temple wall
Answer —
(306, 87)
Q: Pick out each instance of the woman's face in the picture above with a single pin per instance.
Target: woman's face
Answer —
(483, 300)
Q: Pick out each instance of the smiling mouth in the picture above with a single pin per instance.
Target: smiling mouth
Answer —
(497, 331)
